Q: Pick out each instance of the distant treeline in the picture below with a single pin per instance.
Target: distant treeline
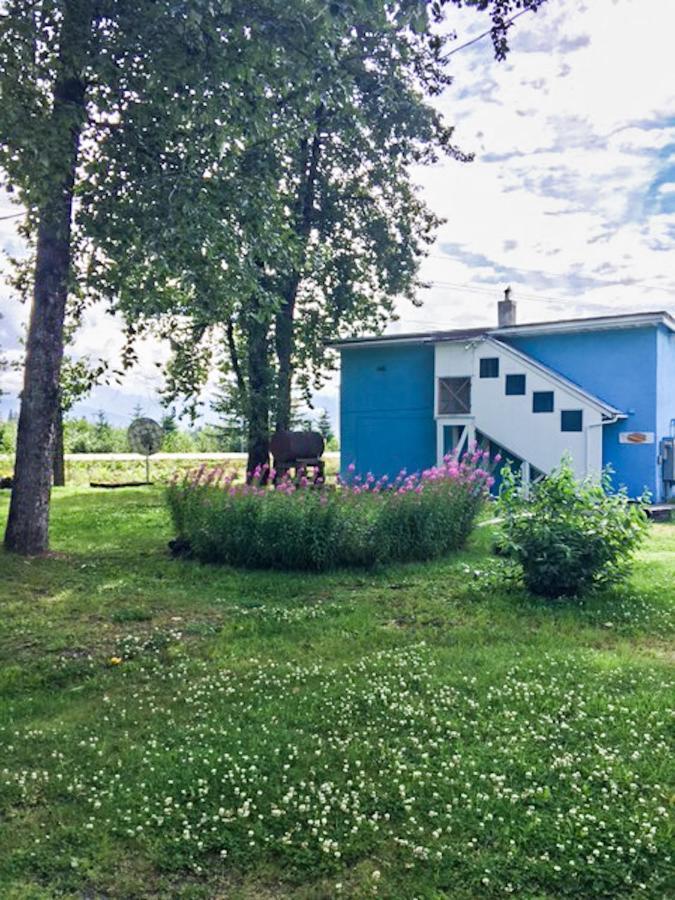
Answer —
(82, 436)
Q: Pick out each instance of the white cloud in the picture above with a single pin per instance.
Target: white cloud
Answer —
(570, 136)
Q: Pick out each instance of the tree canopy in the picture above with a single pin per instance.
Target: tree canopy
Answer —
(305, 226)
(239, 171)
(74, 75)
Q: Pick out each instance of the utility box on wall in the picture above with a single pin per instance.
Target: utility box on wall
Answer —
(668, 460)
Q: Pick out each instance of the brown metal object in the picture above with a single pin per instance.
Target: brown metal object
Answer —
(298, 451)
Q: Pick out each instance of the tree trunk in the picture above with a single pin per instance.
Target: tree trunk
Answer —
(28, 522)
(283, 345)
(59, 463)
(258, 393)
(284, 336)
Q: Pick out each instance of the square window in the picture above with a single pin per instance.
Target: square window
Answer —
(454, 395)
(571, 420)
(489, 367)
(542, 401)
(515, 385)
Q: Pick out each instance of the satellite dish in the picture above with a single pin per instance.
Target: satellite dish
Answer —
(145, 436)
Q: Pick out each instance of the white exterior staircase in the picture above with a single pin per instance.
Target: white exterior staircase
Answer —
(510, 420)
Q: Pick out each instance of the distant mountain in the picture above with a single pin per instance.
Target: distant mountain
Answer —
(119, 406)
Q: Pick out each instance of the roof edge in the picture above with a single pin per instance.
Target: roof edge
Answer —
(595, 323)
(592, 323)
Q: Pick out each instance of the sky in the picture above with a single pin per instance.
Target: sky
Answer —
(570, 199)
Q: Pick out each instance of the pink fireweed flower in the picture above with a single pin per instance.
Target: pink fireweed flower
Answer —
(351, 467)
(197, 474)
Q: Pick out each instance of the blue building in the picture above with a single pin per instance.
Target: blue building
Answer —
(600, 389)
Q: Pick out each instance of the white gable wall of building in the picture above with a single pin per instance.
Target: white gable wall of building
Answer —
(509, 420)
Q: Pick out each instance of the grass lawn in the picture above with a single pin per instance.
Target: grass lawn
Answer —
(169, 729)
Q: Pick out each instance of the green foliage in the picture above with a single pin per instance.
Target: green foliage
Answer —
(310, 224)
(324, 427)
(78, 377)
(7, 429)
(240, 174)
(179, 441)
(81, 436)
(569, 535)
(4, 365)
(8, 437)
(317, 529)
(131, 614)
(169, 423)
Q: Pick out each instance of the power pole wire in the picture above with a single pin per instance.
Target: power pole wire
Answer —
(479, 37)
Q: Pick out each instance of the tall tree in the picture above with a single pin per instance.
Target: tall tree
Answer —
(168, 423)
(59, 124)
(243, 166)
(73, 73)
(327, 223)
(325, 426)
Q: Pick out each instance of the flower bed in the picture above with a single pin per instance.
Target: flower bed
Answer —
(358, 522)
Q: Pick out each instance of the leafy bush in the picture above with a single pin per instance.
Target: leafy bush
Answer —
(569, 535)
(81, 436)
(178, 442)
(360, 523)
(7, 437)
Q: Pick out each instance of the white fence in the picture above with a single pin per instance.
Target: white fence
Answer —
(137, 457)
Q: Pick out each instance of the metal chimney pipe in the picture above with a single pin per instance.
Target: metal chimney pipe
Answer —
(506, 310)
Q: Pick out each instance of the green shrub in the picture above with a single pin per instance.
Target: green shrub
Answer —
(81, 436)
(362, 523)
(569, 535)
(7, 437)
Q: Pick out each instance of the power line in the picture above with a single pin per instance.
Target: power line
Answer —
(474, 289)
(479, 37)
(523, 294)
(13, 216)
(531, 272)
(529, 298)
